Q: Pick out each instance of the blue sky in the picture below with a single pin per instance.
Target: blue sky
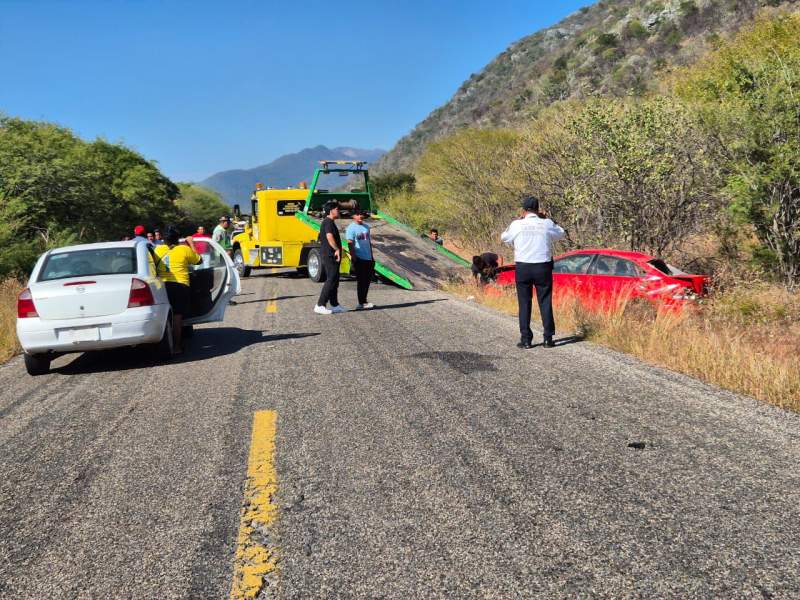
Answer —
(201, 87)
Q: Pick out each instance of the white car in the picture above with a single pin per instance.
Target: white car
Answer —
(107, 295)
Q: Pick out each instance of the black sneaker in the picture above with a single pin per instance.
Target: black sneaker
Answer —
(525, 345)
(548, 343)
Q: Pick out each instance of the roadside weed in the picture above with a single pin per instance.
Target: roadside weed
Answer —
(9, 345)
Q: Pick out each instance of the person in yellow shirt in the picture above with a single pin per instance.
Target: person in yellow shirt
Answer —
(173, 268)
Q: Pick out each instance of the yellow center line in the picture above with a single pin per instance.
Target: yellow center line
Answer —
(271, 307)
(256, 560)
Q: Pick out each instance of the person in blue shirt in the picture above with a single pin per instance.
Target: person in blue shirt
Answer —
(361, 259)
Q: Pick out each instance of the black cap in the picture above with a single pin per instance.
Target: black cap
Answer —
(530, 203)
(329, 206)
(172, 235)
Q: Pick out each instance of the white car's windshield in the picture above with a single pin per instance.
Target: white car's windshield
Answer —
(82, 263)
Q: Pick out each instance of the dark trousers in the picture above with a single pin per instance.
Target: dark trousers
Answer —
(540, 276)
(330, 291)
(364, 271)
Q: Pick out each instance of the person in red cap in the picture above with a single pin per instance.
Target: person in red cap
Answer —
(139, 233)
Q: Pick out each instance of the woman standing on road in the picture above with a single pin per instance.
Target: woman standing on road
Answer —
(173, 269)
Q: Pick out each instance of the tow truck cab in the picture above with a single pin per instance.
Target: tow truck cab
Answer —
(273, 236)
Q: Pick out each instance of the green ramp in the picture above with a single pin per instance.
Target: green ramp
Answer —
(379, 268)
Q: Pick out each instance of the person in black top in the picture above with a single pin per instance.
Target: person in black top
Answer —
(331, 251)
(485, 266)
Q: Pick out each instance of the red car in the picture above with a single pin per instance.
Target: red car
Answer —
(601, 277)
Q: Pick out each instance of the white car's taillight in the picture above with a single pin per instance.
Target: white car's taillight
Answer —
(140, 294)
(26, 309)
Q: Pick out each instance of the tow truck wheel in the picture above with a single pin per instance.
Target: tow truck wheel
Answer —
(315, 269)
(37, 364)
(238, 262)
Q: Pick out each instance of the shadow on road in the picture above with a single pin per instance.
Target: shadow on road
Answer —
(273, 299)
(283, 274)
(204, 345)
(405, 304)
(571, 339)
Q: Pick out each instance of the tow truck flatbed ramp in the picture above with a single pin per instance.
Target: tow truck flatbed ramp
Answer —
(415, 258)
(402, 255)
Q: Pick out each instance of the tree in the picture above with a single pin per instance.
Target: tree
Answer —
(546, 163)
(56, 188)
(635, 173)
(200, 206)
(384, 186)
(462, 176)
(748, 95)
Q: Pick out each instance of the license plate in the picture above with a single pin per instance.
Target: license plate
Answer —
(83, 334)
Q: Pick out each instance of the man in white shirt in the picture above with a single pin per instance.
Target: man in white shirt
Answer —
(532, 236)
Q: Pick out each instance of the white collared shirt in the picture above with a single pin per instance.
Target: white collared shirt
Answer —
(532, 238)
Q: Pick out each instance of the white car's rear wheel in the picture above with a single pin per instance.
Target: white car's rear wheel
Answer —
(37, 364)
(165, 347)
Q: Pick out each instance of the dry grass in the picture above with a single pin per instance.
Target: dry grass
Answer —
(746, 340)
(9, 345)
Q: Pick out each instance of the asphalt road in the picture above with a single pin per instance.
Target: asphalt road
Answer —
(419, 455)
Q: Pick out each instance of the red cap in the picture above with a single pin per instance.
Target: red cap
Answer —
(138, 230)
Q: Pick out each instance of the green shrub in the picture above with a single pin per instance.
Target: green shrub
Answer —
(634, 30)
(605, 41)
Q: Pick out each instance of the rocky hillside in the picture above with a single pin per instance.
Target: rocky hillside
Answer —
(235, 186)
(616, 47)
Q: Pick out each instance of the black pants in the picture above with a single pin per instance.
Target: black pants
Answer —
(364, 270)
(540, 276)
(330, 291)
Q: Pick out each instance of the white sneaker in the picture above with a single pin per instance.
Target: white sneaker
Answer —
(322, 310)
(338, 309)
(366, 306)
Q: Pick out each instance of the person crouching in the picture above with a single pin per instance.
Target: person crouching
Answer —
(484, 268)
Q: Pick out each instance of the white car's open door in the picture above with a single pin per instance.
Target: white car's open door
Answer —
(213, 282)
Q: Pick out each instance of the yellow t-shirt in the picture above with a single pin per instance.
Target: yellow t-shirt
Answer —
(174, 263)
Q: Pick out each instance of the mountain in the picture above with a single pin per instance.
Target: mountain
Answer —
(614, 47)
(235, 186)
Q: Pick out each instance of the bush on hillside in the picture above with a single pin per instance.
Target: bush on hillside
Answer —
(620, 173)
(463, 177)
(389, 184)
(748, 95)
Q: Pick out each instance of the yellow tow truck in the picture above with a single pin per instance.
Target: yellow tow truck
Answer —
(283, 228)
(273, 236)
